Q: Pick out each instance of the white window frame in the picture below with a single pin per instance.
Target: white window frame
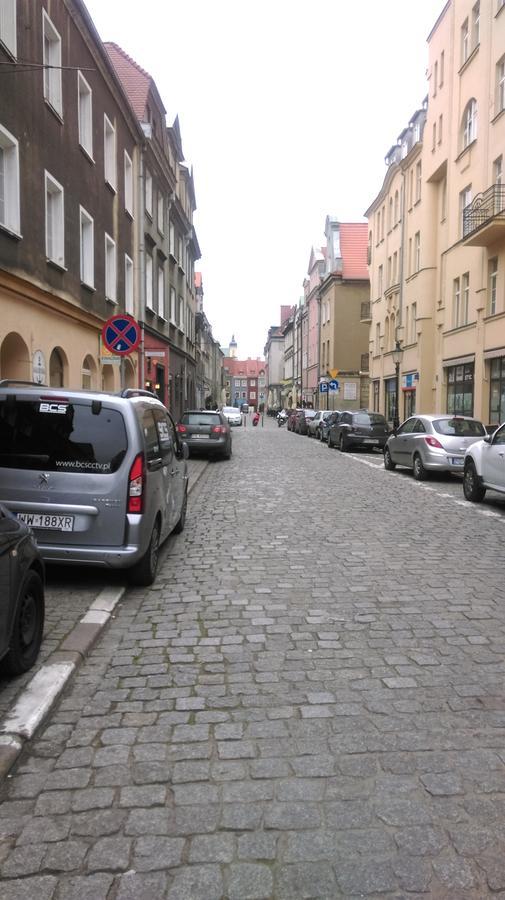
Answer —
(465, 42)
(419, 180)
(500, 85)
(469, 132)
(413, 323)
(110, 269)
(465, 198)
(10, 217)
(498, 170)
(55, 220)
(128, 285)
(492, 285)
(8, 26)
(128, 184)
(149, 282)
(465, 297)
(161, 213)
(148, 194)
(173, 305)
(51, 58)
(85, 114)
(180, 314)
(109, 152)
(475, 25)
(456, 302)
(87, 248)
(161, 291)
(417, 251)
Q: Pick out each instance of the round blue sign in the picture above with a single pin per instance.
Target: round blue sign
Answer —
(121, 334)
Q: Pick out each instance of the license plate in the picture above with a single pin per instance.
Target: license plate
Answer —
(48, 521)
(456, 460)
(201, 437)
(370, 441)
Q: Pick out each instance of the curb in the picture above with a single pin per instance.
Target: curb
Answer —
(36, 701)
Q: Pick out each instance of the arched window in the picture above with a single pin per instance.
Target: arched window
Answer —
(88, 373)
(57, 363)
(469, 124)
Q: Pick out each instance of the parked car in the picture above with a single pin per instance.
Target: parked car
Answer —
(232, 414)
(358, 428)
(314, 424)
(327, 423)
(101, 478)
(206, 432)
(292, 414)
(21, 595)
(484, 466)
(432, 443)
(302, 420)
(244, 408)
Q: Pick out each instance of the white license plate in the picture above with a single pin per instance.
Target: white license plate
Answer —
(370, 441)
(456, 460)
(48, 521)
(201, 437)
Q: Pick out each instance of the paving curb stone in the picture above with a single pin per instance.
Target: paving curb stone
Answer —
(36, 701)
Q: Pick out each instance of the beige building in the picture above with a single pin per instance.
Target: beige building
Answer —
(437, 231)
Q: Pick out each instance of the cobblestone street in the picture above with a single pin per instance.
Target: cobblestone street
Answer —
(309, 703)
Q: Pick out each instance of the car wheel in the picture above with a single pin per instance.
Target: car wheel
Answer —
(388, 462)
(143, 573)
(472, 488)
(420, 473)
(227, 454)
(342, 444)
(182, 518)
(28, 626)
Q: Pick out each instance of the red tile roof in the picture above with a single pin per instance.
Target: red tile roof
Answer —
(244, 368)
(135, 80)
(353, 247)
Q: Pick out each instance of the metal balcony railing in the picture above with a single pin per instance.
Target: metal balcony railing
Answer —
(483, 208)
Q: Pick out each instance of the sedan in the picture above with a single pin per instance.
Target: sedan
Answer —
(432, 443)
(21, 595)
(484, 466)
(314, 424)
(358, 428)
(206, 432)
(232, 414)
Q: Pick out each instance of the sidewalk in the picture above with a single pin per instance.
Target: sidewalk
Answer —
(75, 618)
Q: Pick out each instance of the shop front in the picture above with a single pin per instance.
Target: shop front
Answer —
(156, 366)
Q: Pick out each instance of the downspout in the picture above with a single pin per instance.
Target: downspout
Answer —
(402, 251)
(142, 265)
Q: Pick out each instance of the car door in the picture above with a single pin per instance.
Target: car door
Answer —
(172, 469)
(493, 461)
(400, 444)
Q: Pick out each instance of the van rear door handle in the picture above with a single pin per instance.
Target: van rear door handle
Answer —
(154, 464)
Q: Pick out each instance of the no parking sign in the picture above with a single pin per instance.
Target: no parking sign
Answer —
(121, 334)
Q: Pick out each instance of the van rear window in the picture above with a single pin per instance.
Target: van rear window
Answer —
(60, 437)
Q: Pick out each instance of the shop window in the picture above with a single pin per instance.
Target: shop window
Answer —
(497, 391)
(460, 387)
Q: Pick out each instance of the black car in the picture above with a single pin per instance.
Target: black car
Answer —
(21, 595)
(206, 431)
(358, 428)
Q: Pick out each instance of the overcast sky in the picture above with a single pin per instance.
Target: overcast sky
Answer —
(287, 109)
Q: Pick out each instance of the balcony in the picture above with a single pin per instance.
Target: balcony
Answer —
(365, 315)
(484, 218)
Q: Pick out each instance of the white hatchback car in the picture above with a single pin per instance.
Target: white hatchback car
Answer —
(233, 415)
(484, 466)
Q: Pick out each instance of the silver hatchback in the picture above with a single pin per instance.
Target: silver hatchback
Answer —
(432, 443)
(101, 478)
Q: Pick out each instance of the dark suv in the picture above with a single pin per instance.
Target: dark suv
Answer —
(206, 431)
(358, 428)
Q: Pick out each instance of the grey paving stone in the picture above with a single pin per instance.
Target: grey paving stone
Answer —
(44, 830)
(249, 881)
(132, 886)
(23, 861)
(84, 887)
(66, 856)
(157, 852)
(42, 887)
(196, 883)
(218, 848)
(283, 816)
(109, 854)
(305, 881)
(99, 822)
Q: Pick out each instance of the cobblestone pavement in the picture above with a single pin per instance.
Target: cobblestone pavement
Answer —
(310, 702)
(69, 593)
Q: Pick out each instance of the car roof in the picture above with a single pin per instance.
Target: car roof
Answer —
(18, 388)
(433, 417)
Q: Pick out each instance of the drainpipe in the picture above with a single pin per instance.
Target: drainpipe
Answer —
(142, 265)
(402, 250)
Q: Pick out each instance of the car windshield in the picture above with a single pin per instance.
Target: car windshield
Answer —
(230, 409)
(201, 418)
(460, 427)
(61, 436)
(309, 413)
(369, 419)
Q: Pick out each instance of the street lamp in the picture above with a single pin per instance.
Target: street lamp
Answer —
(397, 358)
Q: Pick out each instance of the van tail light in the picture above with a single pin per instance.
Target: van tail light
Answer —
(218, 429)
(136, 481)
(181, 428)
(432, 442)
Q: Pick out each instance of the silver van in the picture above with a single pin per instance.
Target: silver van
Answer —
(101, 478)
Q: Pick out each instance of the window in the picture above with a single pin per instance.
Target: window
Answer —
(128, 184)
(465, 297)
(435, 79)
(465, 42)
(110, 269)
(417, 251)
(171, 239)
(465, 198)
(380, 277)
(8, 25)
(55, 221)
(172, 311)
(469, 123)
(128, 285)
(410, 257)
(161, 213)
(498, 170)
(413, 323)
(395, 267)
(456, 302)
(85, 114)
(149, 194)
(389, 271)
(87, 248)
(492, 276)
(149, 281)
(396, 208)
(442, 65)
(180, 319)
(161, 292)
(383, 222)
(497, 391)
(88, 367)
(475, 25)
(418, 180)
(109, 158)
(9, 181)
(434, 136)
(443, 200)
(390, 214)
(440, 127)
(500, 85)
(52, 64)
(460, 390)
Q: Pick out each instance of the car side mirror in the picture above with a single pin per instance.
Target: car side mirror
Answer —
(488, 438)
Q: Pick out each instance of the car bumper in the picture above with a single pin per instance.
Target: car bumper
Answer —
(443, 462)
(209, 447)
(368, 443)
